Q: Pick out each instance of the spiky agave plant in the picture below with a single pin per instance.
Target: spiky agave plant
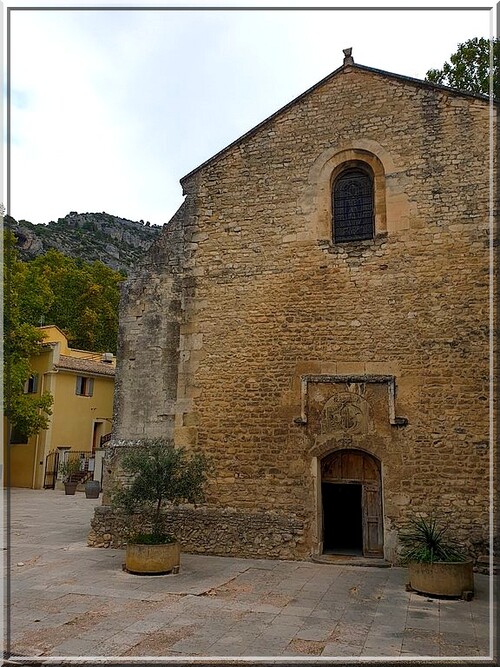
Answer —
(425, 541)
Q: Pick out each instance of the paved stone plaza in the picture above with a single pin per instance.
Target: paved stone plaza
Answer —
(70, 600)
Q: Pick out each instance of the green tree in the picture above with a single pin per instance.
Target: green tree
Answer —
(84, 303)
(80, 298)
(35, 295)
(27, 413)
(158, 473)
(469, 68)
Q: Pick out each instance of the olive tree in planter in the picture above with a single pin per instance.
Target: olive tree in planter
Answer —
(157, 473)
(67, 469)
(437, 564)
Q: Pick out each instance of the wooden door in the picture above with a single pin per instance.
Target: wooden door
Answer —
(372, 522)
(355, 466)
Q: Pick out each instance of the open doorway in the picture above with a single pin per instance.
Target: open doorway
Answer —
(351, 504)
(97, 432)
(343, 519)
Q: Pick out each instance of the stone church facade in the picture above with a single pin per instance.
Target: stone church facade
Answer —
(315, 317)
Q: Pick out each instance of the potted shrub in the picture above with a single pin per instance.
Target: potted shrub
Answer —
(158, 473)
(67, 470)
(437, 564)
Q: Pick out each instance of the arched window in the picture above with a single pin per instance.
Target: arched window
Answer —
(352, 205)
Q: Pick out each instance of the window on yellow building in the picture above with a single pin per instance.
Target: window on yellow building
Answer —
(84, 386)
(31, 384)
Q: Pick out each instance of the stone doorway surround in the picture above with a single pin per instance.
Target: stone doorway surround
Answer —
(350, 413)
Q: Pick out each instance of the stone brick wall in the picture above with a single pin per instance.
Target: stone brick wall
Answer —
(210, 530)
(246, 294)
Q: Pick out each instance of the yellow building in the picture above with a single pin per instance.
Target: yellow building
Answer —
(81, 384)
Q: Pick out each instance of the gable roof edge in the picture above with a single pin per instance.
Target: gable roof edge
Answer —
(418, 82)
(261, 124)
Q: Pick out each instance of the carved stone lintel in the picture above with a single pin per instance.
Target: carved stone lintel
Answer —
(390, 380)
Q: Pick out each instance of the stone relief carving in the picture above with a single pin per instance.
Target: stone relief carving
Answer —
(345, 412)
(355, 385)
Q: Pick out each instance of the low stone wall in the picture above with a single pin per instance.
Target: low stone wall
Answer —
(226, 532)
(211, 530)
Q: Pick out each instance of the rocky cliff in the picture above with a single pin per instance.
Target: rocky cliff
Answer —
(117, 242)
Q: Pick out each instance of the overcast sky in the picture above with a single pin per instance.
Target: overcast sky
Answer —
(109, 109)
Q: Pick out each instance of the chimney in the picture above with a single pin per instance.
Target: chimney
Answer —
(107, 358)
(348, 59)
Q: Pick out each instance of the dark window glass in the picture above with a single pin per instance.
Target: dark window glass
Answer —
(353, 206)
(84, 386)
(31, 386)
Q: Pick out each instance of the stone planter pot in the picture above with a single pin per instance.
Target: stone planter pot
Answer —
(442, 579)
(70, 488)
(92, 489)
(153, 558)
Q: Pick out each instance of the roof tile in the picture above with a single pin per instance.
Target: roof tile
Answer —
(85, 365)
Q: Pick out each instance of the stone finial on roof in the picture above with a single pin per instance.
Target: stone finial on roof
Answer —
(348, 59)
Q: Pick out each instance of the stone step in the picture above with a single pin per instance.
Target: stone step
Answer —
(359, 561)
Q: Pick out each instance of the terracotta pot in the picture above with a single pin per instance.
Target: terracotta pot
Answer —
(70, 488)
(443, 579)
(153, 558)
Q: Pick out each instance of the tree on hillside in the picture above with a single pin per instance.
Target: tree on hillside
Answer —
(81, 299)
(26, 413)
(469, 68)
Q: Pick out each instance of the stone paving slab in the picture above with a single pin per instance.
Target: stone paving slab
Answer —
(68, 600)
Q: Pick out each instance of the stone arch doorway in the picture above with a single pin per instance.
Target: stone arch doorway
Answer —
(351, 501)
